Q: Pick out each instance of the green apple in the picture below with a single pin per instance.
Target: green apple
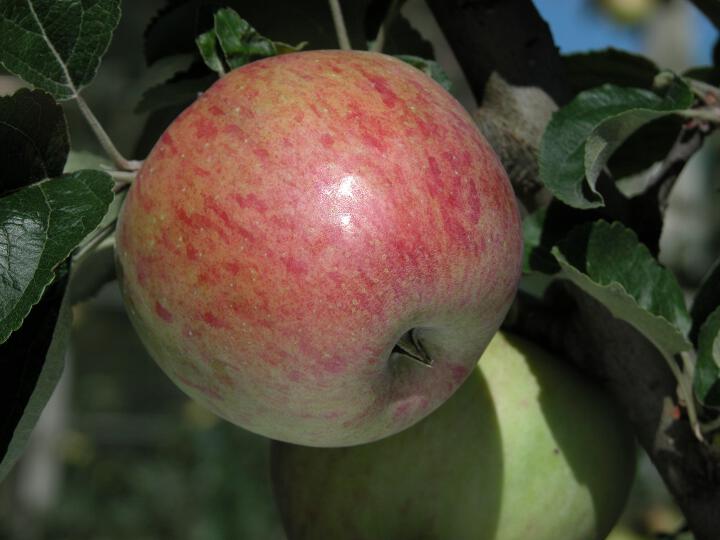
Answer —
(527, 449)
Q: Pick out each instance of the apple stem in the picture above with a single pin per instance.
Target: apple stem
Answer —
(340, 28)
(104, 139)
(379, 42)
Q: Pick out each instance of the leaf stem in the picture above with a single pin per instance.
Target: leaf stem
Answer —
(340, 28)
(104, 139)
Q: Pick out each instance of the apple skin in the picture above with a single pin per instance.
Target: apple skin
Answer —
(527, 449)
(294, 222)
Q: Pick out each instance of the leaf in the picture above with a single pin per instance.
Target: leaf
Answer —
(174, 28)
(206, 43)
(608, 262)
(608, 66)
(56, 45)
(583, 135)
(34, 140)
(430, 67)
(31, 363)
(39, 226)
(239, 41)
(707, 369)
(706, 299)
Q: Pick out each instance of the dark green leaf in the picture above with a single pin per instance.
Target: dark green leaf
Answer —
(174, 29)
(609, 66)
(708, 74)
(31, 362)
(206, 44)
(239, 41)
(56, 45)
(33, 139)
(609, 263)
(430, 67)
(707, 370)
(707, 299)
(39, 226)
(582, 136)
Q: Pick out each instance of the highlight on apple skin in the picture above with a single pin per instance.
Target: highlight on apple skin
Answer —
(305, 215)
(527, 449)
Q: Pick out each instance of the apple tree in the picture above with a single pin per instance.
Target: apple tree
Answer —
(567, 128)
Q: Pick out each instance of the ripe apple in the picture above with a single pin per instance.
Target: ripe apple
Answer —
(311, 234)
(527, 449)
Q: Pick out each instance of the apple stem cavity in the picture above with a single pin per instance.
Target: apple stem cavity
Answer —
(339, 22)
(409, 345)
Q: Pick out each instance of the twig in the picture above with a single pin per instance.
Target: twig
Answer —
(113, 153)
(340, 28)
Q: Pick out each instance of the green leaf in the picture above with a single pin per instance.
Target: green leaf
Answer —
(608, 262)
(608, 66)
(582, 136)
(56, 45)
(430, 67)
(706, 299)
(240, 42)
(31, 363)
(34, 140)
(39, 226)
(707, 370)
(206, 44)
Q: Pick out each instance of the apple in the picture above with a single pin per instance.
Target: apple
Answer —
(320, 247)
(527, 449)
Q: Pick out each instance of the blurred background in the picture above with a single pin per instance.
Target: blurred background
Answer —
(120, 453)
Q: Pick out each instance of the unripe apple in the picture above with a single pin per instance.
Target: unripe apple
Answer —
(308, 213)
(527, 449)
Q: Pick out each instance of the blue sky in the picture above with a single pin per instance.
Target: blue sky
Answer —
(576, 27)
